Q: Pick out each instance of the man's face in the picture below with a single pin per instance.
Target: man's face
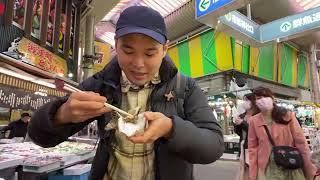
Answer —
(26, 119)
(139, 57)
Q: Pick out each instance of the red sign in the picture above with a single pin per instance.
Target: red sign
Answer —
(42, 58)
(1, 9)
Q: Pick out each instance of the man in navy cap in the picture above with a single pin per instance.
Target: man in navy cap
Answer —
(180, 130)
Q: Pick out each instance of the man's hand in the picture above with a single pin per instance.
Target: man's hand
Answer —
(159, 126)
(80, 107)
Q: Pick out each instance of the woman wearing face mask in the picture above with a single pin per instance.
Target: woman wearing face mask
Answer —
(241, 128)
(285, 131)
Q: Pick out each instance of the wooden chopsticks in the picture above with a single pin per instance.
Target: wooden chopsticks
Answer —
(70, 88)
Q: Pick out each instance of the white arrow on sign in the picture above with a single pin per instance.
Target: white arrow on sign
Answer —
(204, 5)
(286, 26)
(228, 16)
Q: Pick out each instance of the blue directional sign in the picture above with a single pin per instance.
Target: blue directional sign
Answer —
(288, 27)
(241, 23)
(204, 7)
(291, 25)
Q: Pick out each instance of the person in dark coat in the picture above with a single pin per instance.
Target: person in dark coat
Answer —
(18, 128)
(241, 127)
(179, 133)
(240, 124)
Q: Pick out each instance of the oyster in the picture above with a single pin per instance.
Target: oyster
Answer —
(134, 112)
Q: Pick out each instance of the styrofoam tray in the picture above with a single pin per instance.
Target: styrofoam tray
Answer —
(78, 169)
(9, 160)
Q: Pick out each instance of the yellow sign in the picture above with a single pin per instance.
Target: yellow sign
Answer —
(103, 50)
(42, 58)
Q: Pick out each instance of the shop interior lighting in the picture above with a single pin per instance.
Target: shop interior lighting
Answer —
(308, 4)
(26, 78)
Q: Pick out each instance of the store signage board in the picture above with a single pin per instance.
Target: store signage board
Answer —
(104, 50)
(291, 25)
(204, 7)
(247, 30)
(241, 23)
(19, 99)
(42, 58)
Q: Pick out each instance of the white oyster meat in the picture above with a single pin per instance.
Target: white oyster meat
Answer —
(131, 129)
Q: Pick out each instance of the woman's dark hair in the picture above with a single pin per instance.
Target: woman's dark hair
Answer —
(251, 97)
(278, 112)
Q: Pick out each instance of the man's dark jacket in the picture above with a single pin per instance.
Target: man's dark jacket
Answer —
(17, 129)
(196, 138)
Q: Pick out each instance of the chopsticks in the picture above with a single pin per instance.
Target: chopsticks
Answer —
(70, 88)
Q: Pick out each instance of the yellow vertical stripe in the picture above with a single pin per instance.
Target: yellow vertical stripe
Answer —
(254, 61)
(195, 57)
(223, 51)
(238, 55)
(294, 68)
(275, 62)
(174, 54)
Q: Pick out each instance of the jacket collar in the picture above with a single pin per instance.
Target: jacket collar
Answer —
(261, 122)
(111, 74)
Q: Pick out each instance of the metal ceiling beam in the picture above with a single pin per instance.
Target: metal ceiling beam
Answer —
(9, 13)
(28, 19)
(57, 24)
(67, 34)
(44, 22)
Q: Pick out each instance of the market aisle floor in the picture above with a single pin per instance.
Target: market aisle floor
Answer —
(220, 170)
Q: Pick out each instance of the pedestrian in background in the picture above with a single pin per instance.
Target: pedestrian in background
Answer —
(241, 128)
(284, 130)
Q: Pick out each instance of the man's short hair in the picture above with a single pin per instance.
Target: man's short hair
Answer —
(25, 115)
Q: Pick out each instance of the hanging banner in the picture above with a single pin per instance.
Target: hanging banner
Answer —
(240, 27)
(204, 7)
(42, 58)
(291, 25)
(244, 29)
(20, 99)
(102, 50)
(208, 11)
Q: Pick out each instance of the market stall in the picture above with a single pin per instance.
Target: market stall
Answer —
(37, 161)
(223, 107)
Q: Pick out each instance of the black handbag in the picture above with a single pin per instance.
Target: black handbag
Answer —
(286, 157)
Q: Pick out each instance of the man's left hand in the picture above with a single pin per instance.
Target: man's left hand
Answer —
(159, 126)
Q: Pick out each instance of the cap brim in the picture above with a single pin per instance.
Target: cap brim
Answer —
(129, 30)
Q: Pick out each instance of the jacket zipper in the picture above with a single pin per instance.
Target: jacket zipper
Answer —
(156, 143)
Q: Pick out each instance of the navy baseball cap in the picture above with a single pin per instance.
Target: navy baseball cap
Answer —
(142, 20)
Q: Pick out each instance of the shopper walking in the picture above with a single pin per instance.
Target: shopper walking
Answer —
(284, 130)
(182, 129)
(241, 128)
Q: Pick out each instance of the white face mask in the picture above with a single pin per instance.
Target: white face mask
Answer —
(246, 105)
(265, 104)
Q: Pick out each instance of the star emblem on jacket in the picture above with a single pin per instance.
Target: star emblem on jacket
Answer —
(169, 96)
